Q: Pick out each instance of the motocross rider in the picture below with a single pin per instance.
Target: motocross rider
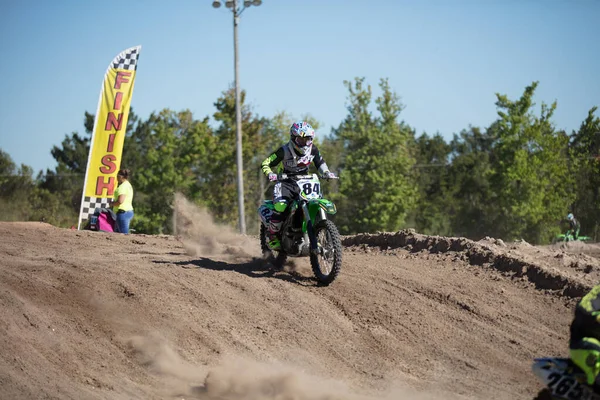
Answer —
(296, 156)
(584, 346)
(574, 226)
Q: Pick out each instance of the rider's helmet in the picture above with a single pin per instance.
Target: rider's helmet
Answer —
(301, 136)
(570, 217)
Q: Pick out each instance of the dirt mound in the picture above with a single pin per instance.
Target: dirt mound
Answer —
(91, 315)
(562, 268)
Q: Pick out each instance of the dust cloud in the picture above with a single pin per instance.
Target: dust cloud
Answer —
(237, 378)
(203, 237)
(240, 379)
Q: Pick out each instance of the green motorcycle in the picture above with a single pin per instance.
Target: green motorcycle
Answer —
(306, 231)
(569, 238)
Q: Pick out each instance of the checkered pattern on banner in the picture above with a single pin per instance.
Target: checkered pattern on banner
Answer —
(127, 59)
(91, 203)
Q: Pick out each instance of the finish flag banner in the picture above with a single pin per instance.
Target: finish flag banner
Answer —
(106, 146)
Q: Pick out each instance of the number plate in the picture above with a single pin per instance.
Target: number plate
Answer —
(310, 188)
(265, 214)
(566, 387)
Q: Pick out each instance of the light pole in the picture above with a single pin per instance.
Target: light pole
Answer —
(237, 11)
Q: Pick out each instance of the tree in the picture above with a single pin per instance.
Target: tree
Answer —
(431, 171)
(171, 149)
(223, 203)
(376, 187)
(7, 169)
(585, 158)
(22, 198)
(530, 176)
(469, 193)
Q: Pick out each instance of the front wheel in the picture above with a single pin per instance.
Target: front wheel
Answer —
(544, 394)
(276, 257)
(327, 262)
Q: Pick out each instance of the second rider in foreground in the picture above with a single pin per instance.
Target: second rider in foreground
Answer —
(296, 156)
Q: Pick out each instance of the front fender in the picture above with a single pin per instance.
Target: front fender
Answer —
(327, 206)
(315, 207)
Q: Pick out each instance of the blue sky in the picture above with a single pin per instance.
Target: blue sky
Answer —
(445, 58)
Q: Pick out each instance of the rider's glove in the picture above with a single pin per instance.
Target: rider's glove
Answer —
(329, 175)
(272, 177)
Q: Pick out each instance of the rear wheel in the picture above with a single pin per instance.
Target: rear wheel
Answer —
(327, 263)
(277, 258)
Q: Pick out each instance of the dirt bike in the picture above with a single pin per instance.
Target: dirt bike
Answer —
(306, 231)
(563, 380)
(569, 238)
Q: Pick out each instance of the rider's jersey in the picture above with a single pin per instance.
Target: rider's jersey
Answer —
(293, 163)
(587, 313)
(574, 224)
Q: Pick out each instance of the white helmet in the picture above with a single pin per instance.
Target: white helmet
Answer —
(301, 136)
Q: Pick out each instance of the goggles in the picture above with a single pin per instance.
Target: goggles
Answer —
(303, 141)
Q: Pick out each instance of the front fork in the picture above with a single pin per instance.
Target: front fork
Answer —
(314, 244)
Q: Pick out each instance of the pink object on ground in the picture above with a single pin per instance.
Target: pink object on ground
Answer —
(105, 222)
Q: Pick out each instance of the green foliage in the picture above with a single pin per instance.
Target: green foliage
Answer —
(431, 175)
(7, 169)
(16, 188)
(221, 196)
(517, 178)
(469, 192)
(169, 146)
(585, 155)
(376, 185)
(67, 180)
(530, 175)
(22, 198)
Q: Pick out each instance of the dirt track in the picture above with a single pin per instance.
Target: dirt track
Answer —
(88, 315)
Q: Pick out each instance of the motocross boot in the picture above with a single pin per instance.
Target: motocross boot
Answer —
(273, 239)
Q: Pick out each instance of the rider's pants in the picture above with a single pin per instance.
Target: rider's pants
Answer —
(283, 194)
(585, 353)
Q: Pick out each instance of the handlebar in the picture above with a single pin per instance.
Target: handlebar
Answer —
(283, 177)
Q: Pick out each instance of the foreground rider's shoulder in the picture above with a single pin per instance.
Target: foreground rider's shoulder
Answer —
(279, 150)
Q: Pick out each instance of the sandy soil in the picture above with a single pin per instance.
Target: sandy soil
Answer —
(92, 315)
